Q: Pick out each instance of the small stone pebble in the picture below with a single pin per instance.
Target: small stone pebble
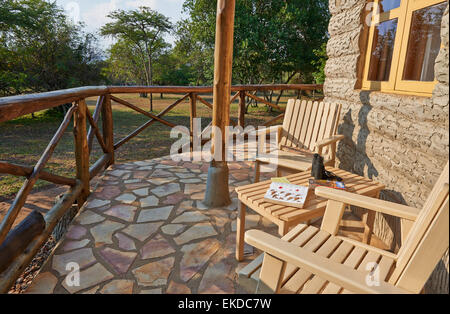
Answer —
(25, 280)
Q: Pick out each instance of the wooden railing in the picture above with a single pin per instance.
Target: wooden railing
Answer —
(19, 245)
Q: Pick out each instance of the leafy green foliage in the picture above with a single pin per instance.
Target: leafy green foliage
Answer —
(274, 40)
(319, 64)
(41, 50)
(140, 41)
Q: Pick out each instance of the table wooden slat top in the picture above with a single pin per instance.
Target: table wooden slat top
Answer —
(253, 195)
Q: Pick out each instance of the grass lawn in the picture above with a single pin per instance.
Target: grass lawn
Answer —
(24, 139)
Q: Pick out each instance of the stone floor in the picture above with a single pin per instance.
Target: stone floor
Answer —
(144, 230)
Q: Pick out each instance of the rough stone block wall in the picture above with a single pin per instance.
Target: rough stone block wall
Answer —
(401, 141)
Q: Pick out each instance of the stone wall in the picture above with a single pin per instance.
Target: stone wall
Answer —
(401, 141)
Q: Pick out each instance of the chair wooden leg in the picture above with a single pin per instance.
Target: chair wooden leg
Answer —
(368, 228)
(240, 230)
(257, 170)
(278, 172)
(272, 272)
(282, 229)
(369, 222)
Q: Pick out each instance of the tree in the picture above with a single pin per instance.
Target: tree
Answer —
(319, 64)
(40, 50)
(274, 39)
(125, 65)
(171, 70)
(143, 30)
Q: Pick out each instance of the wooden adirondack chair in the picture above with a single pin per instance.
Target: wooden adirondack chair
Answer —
(313, 260)
(308, 127)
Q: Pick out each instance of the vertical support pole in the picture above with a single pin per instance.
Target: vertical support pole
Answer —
(241, 113)
(108, 135)
(217, 191)
(151, 102)
(257, 171)
(81, 151)
(192, 116)
(240, 230)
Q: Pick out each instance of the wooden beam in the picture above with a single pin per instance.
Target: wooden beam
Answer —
(268, 123)
(96, 132)
(26, 171)
(159, 89)
(20, 237)
(192, 116)
(16, 106)
(21, 196)
(217, 191)
(145, 113)
(201, 99)
(9, 276)
(223, 59)
(81, 151)
(108, 128)
(241, 112)
(95, 116)
(234, 97)
(99, 165)
(148, 123)
(264, 101)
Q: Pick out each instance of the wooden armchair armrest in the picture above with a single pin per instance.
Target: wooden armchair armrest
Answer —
(385, 207)
(328, 141)
(264, 131)
(339, 274)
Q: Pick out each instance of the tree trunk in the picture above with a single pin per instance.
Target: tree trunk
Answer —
(279, 97)
(150, 65)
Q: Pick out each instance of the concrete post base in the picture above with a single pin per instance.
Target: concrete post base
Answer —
(217, 192)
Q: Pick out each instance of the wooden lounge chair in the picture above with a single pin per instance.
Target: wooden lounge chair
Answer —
(308, 128)
(312, 260)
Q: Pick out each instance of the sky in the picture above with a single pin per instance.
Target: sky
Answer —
(93, 12)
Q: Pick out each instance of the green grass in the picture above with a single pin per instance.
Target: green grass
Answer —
(23, 140)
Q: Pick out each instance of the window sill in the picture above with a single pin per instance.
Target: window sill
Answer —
(396, 92)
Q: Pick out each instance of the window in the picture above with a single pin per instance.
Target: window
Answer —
(404, 41)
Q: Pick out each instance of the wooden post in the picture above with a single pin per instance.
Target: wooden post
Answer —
(20, 237)
(217, 192)
(95, 116)
(81, 151)
(108, 136)
(151, 102)
(241, 113)
(21, 197)
(9, 276)
(192, 115)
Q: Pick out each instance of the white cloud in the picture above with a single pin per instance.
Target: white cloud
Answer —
(142, 3)
(94, 12)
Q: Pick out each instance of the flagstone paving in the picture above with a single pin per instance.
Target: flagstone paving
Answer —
(144, 229)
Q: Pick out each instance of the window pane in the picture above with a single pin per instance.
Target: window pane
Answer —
(388, 5)
(424, 43)
(382, 49)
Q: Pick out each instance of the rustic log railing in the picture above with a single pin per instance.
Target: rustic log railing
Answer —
(14, 258)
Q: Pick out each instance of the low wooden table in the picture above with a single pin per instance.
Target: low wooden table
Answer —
(252, 195)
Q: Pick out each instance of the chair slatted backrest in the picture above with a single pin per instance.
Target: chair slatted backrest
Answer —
(306, 122)
(427, 240)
